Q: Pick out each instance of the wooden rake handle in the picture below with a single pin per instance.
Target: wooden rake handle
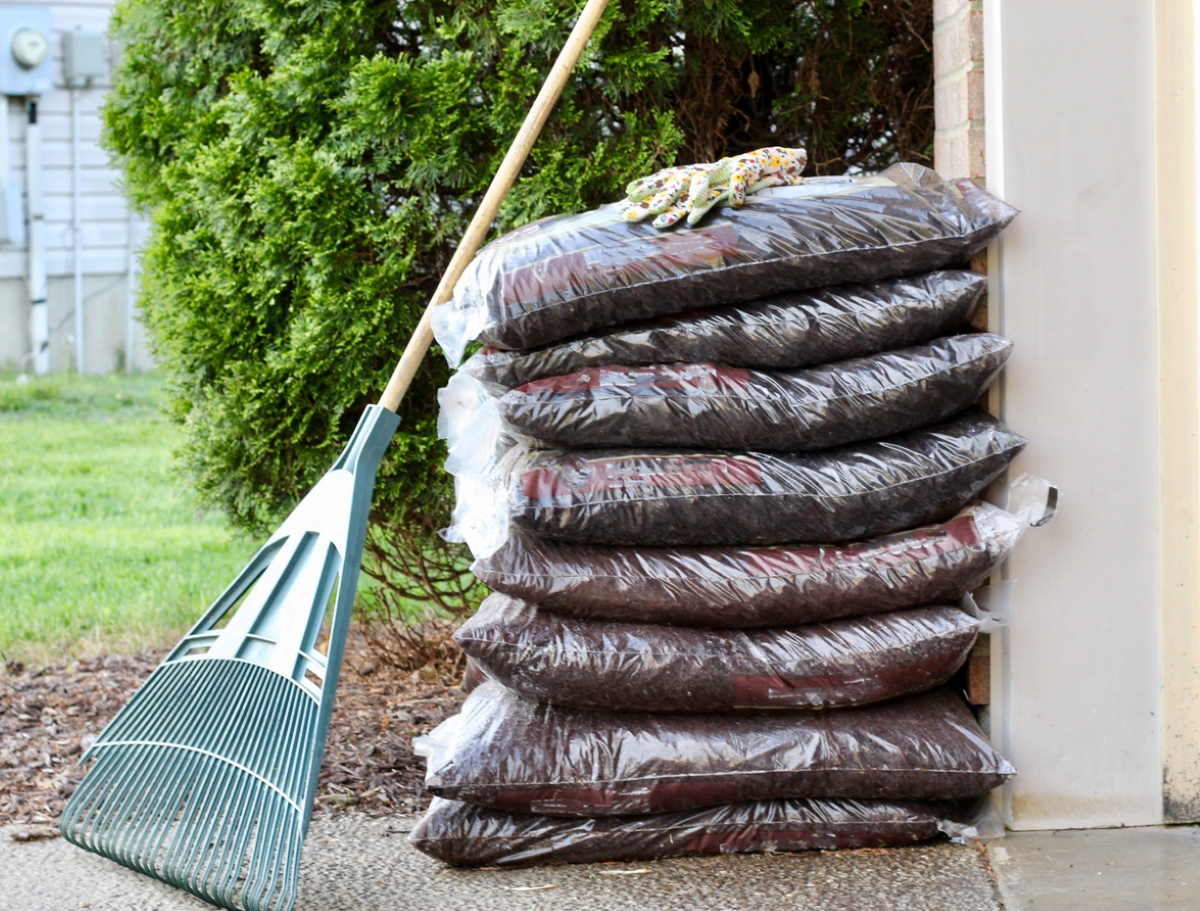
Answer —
(422, 338)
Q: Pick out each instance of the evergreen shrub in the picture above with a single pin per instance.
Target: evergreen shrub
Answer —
(308, 165)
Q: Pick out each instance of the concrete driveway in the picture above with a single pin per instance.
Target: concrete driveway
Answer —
(354, 863)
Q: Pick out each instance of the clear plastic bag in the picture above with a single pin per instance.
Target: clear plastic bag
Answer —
(706, 406)
(505, 751)
(973, 823)
(664, 498)
(783, 332)
(562, 276)
(471, 836)
(473, 676)
(641, 667)
(755, 586)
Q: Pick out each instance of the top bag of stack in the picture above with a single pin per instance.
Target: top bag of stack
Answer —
(562, 276)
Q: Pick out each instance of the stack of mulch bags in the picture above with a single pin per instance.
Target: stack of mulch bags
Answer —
(729, 522)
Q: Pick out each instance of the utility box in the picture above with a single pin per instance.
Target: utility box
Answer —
(26, 67)
(84, 60)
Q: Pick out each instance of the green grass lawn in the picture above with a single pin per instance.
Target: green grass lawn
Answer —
(101, 546)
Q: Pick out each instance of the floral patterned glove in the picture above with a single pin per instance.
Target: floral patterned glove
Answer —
(691, 191)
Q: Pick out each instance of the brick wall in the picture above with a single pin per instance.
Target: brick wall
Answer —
(958, 88)
(958, 151)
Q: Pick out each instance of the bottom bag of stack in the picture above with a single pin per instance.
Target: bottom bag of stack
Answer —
(466, 835)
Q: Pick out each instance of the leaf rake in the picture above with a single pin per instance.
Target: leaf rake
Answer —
(206, 778)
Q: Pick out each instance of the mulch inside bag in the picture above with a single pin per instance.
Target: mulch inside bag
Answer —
(782, 332)
(509, 752)
(470, 836)
(707, 406)
(664, 498)
(640, 667)
(755, 586)
(562, 276)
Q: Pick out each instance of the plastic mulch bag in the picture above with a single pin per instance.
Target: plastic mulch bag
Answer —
(756, 586)
(505, 751)
(706, 406)
(665, 498)
(473, 676)
(783, 332)
(562, 276)
(471, 836)
(641, 667)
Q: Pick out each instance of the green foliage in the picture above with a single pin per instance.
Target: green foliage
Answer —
(86, 397)
(309, 165)
(101, 548)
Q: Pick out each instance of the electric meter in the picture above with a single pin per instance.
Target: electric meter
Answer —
(26, 65)
(30, 47)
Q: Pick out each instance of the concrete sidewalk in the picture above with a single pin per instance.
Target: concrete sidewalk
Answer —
(1143, 869)
(352, 863)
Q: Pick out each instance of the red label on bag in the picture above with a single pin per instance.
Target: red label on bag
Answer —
(759, 690)
(756, 691)
(752, 838)
(619, 799)
(649, 475)
(669, 376)
(910, 547)
(575, 801)
(665, 254)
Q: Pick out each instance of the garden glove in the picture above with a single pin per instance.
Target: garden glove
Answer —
(693, 190)
(663, 194)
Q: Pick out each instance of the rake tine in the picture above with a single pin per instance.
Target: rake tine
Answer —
(221, 837)
(133, 770)
(157, 815)
(264, 870)
(196, 828)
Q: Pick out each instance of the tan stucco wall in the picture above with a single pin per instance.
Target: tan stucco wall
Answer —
(1179, 405)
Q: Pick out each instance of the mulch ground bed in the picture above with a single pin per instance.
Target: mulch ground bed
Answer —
(49, 716)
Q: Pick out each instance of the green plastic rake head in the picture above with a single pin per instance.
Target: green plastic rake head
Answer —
(206, 778)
